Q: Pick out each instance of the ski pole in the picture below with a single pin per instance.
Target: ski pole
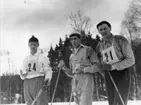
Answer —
(70, 99)
(55, 86)
(116, 89)
(39, 93)
(73, 81)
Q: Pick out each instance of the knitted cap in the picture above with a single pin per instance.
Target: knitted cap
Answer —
(33, 39)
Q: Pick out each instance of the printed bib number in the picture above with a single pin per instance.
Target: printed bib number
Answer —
(109, 56)
(31, 67)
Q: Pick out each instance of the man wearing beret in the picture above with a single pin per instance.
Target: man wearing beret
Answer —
(83, 63)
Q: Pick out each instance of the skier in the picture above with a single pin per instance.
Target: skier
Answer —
(116, 57)
(35, 73)
(83, 63)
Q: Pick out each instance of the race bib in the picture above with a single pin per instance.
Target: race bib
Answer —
(109, 55)
(32, 67)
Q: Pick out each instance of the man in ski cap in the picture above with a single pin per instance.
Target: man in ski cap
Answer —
(35, 73)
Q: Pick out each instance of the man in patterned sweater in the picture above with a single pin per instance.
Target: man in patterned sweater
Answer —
(116, 57)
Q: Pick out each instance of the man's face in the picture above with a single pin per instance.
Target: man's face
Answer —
(104, 30)
(33, 46)
(75, 41)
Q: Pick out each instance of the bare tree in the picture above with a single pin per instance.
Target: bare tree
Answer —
(132, 20)
(131, 27)
(79, 22)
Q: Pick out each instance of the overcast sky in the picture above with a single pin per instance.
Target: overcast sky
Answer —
(20, 19)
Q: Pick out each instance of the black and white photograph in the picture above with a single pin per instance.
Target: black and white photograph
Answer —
(70, 52)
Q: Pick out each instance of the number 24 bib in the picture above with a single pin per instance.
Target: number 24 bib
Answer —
(33, 65)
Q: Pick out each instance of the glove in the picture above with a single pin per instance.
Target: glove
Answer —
(46, 84)
(23, 76)
(61, 64)
(48, 76)
(107, 67)
(78, 68)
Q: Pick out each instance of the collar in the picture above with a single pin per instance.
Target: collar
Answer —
(105, 42)
(76, 50)
(36, 54)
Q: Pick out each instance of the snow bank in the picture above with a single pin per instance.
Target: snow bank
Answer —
(94, 103)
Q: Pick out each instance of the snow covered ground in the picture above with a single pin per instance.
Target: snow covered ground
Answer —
(94, 103)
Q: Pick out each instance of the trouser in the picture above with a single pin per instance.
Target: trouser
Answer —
(122, 81)
(83, 98)
(31, 89)
(83, 89)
